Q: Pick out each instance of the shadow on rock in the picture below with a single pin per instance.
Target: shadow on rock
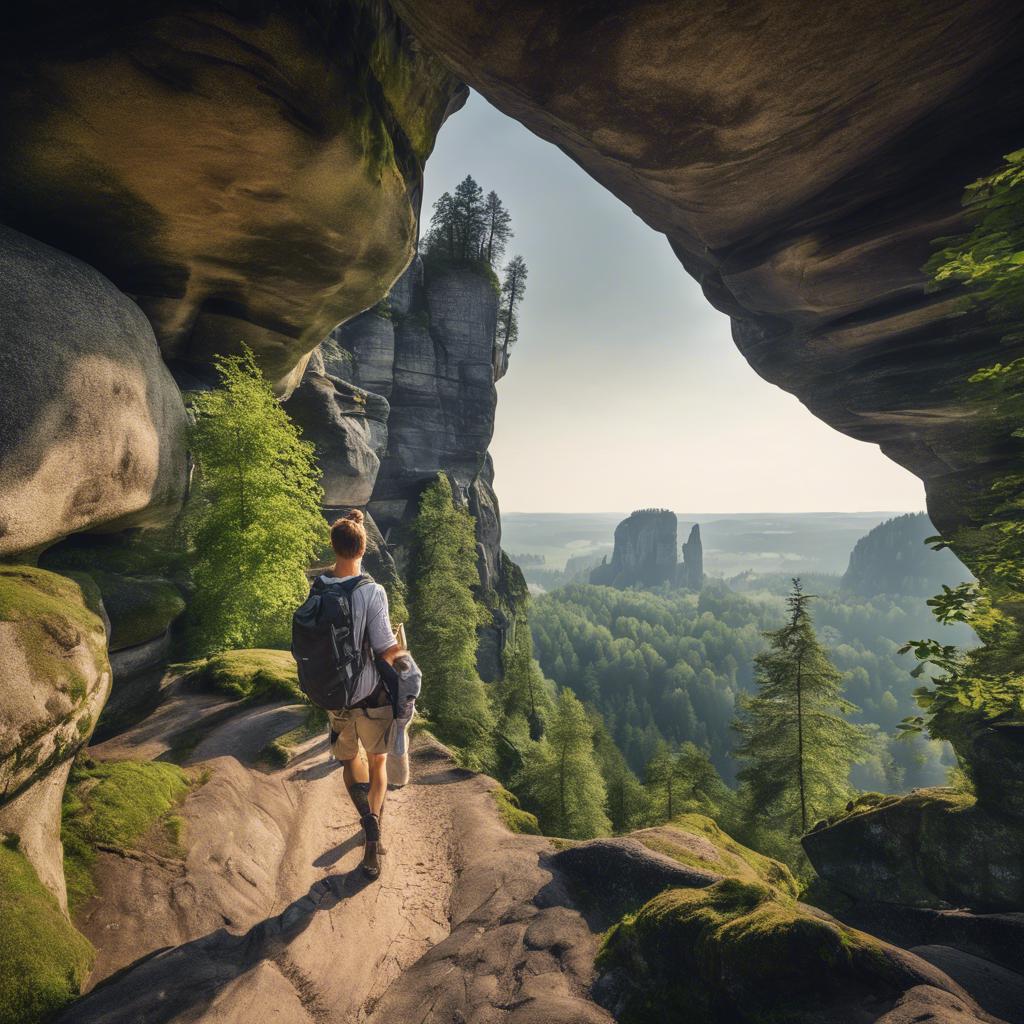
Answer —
(181, 982)
(335, 853)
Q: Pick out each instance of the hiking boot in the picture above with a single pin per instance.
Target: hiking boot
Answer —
(371, 859)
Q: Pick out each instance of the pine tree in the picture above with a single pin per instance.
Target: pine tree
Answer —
(497, 229)
(794, 739)
(562, 784)
(524, 690)
(513, 288)
(469, 213)
(443, 619)
(254, 522)
(441, 234)
(628, 802)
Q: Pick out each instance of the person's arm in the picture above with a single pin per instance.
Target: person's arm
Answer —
(382, 638)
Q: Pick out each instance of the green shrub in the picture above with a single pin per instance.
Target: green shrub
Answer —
(113, 803)
(43, 959)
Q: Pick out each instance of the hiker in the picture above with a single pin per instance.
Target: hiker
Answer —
(343, 667)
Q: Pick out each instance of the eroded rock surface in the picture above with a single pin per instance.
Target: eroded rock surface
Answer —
(92, 426)
(247, 172)
(55, 680)
(800, 167)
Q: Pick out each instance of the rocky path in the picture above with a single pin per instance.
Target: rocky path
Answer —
(268, 917)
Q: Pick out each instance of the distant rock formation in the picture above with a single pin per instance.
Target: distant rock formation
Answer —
(645, 553)
(894, 559)
(691, 569)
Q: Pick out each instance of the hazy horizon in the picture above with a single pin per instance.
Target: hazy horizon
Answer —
(625, 389)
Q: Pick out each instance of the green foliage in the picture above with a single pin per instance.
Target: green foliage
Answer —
(524, 690)
(628, 803)
(683, 779)
(794, 739)
(256, 675)
(562, 782)
(254, 521)
(112, 803)
(468, 227)
(975, 687)
(515, 818)
(44, 961)
(443, 619)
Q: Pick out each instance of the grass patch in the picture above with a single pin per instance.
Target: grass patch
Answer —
(115, 803)
(514, 817)
(732, 858)
(139, 609)
(278, 753)
(43, 959)
(256, 675)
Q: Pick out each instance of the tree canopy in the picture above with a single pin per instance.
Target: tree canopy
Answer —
(254, 523)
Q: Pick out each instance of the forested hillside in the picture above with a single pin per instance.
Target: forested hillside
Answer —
(668, 665)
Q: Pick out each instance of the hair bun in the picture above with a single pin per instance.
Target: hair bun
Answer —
(356, 516)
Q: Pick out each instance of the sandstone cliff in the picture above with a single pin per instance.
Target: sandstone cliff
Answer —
(645, 553)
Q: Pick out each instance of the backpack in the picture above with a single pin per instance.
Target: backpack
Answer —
(324, 645)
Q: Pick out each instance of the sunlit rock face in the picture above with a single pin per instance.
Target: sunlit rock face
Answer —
(800, 166)
(92, 426)
(429, 351)
(246, 172)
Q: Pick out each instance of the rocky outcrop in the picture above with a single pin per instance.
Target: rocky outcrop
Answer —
(645, 551)
(429, 350)
(56, 679)
(349, 428)
(801, 168)
(894, 559)
(930, 848)
(247, 173)
(92, 427)
(691, 569)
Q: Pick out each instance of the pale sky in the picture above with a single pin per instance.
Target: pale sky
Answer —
(625, 389)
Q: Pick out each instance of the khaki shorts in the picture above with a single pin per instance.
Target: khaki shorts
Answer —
(369, 726)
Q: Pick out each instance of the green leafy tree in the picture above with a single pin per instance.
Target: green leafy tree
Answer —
(562, 784)
(254, 522)
(513, 288)
(443, 619)
(794, 739)
(972, 688)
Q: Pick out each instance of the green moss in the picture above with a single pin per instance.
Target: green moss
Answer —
(740, 951)
(255, 675)
(43, 959)
(113, 803)
(730, 857)
(278, 752)
(139, 609)
(515, 818)
(138, 553)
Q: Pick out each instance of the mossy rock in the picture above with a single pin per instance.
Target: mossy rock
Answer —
(514, 817)
(254, 674)
(739, 951)
(138, 609)
(57, 676)
(114, 803)
(144, 553)
(43, 960)
(696, 841)
(934, 848)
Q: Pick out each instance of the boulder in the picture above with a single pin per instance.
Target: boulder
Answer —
(92, 426)
(247, 172)
(55, 680)
(932, 848)
(349, 428)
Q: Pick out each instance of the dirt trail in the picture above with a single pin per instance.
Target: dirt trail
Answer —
(268, 917)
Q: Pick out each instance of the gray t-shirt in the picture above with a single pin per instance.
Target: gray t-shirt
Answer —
(370, 619)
